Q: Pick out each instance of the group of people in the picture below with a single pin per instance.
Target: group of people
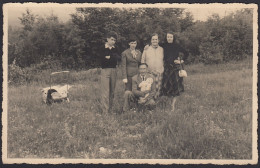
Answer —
(147, 76)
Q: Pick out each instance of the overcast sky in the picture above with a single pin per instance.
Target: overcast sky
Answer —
(63, 11)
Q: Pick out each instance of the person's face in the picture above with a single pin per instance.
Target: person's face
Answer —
(133, 44)
(169, 38)
(111, 41)
(142, 69)
(154, 40)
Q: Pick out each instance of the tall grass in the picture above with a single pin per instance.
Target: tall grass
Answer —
(212, 120)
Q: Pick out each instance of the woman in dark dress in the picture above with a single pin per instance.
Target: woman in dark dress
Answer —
(172, 84)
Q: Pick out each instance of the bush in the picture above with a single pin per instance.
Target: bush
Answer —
(212, 58)
(16, 75)
(34, 73)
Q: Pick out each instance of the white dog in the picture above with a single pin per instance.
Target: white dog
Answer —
(56, 92)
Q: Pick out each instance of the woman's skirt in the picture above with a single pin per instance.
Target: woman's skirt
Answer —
(158, 84)
(172, 84)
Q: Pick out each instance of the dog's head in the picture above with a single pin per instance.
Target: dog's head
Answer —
(44, 94)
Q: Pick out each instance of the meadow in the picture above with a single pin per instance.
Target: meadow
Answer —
(212, 120)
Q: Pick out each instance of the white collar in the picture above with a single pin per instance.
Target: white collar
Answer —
(107, 46)
(142, 75)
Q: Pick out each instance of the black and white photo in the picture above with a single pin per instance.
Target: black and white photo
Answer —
(130, 83)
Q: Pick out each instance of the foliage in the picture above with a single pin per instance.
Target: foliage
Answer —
(226, 39)
(75, 44)
(16, 75)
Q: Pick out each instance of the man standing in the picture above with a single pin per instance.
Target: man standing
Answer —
(109, 60)
(143, 87)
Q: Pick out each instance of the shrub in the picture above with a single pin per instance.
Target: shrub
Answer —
(34, 73)
(16, 75)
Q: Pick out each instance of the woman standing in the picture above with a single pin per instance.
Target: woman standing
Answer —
(172, 84)
(153, 57)
(130, 60)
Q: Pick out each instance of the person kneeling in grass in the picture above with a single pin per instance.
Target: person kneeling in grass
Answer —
(143, 89)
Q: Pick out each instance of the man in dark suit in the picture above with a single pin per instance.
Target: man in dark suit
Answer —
(143, 90)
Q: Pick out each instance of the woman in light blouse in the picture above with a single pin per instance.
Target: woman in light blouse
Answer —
(153, 57)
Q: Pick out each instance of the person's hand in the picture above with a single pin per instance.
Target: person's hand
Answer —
(154, 72)
(141, 101)
(146, 47)
(107, 57)
(125, 80)
(145, 92)
(178, 61)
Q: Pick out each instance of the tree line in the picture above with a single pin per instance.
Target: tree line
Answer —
(47, 41)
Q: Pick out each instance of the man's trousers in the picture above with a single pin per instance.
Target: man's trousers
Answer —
(107, 88)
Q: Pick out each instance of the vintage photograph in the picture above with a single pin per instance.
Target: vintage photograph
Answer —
(130, 83)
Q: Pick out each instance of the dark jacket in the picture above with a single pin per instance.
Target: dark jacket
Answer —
(130, 64)
(172, 51)
(112, 61)
(136, 80)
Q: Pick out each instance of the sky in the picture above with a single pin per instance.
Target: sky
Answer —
(63, 11)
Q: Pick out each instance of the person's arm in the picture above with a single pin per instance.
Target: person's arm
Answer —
(136, 92)
(124, 66)
(143, 60)
(139, 55)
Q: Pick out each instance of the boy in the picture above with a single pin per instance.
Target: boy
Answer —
(109, 58)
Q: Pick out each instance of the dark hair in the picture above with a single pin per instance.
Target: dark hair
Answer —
(170, 32)
(142, 64)
(132, 39)
(154, 34)
(174, 36)
(111, 34)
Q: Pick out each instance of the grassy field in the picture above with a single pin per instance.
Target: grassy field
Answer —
(213, 120)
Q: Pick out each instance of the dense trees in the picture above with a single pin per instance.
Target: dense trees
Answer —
(74, 44)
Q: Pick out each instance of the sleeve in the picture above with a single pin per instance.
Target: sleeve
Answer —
(143, 60)
(140, 56)
(134, 88)
(124, 65)
(185, 53)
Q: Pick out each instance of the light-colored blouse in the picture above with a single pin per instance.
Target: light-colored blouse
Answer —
(153, 57)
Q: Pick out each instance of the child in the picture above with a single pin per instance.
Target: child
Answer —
(109, 60)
